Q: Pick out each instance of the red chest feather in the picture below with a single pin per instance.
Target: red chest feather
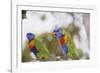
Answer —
(62, 40)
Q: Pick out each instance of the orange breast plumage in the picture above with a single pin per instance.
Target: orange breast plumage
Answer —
(31, 44)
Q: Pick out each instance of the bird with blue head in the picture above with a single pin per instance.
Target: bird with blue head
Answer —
(62, 41)
(31, 43)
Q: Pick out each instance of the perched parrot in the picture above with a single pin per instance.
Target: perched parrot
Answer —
(62, 39)
(31, 43)
(44, 54)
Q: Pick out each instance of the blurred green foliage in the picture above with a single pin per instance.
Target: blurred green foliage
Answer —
(26, 55)
(73, 29)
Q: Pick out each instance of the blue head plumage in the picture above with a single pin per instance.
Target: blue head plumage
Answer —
(30, 36)
(58, 32)
(57, 29)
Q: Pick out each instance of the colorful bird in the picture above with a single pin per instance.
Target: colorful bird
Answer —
(44, 54)
(62, 39)
(31, 43)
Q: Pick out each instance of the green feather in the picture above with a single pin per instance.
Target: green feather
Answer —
(43, 51)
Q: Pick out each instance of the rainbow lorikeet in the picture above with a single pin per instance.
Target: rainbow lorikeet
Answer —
(62, 41)
(31, 43)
